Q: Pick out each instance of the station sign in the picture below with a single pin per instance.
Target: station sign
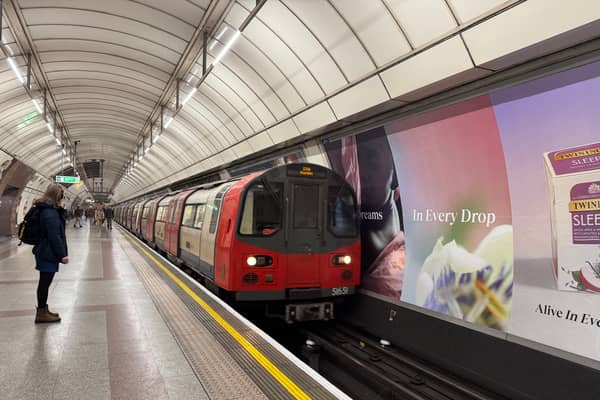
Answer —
(67, 179)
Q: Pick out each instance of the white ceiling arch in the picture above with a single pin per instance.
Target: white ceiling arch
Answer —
(296, 66)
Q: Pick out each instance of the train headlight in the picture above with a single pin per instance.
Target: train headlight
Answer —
(259, 261)
(342, 260)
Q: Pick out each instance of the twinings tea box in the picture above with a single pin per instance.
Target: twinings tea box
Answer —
(573, 177)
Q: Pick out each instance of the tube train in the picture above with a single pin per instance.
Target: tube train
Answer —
(288, 236)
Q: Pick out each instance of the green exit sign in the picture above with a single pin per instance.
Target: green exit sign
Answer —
(67, 179)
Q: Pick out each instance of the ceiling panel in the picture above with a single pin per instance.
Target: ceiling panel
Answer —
(422, 20)
(375, 26)
(467, 10)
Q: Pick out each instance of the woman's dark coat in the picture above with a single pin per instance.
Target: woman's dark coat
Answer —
(53, 247)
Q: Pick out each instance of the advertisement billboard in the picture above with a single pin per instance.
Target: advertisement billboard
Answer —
(367, 163)
(488, 210)
(457, 212)
(549, 132)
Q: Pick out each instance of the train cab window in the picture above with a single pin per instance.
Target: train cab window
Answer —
(341, 211)
(262, 212)
(199, 221)
(306, 206)
(189, 215)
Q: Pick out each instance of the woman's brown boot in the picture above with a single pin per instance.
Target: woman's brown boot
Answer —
(54, 314)
(42, 316)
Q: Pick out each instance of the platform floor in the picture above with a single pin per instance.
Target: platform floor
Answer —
(129, 331)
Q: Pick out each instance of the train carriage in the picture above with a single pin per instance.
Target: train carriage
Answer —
(286, 235)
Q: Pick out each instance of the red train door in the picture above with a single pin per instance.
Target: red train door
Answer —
(173, 225)
(304, 231)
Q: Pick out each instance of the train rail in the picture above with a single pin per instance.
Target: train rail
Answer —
(365, 368)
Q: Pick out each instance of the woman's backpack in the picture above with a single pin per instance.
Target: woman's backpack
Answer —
(30, 230)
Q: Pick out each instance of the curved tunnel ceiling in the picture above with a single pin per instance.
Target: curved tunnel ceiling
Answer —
(295, 67)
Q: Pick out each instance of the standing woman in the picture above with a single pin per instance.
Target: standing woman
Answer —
(51, 250)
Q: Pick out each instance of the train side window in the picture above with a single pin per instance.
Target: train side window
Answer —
(262, 212)
(189, 215)
(145, 213)
(341, 211)
(199, 221)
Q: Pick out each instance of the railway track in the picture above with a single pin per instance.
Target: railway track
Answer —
(366, 369)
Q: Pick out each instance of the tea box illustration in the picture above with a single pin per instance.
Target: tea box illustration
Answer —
(573, 178)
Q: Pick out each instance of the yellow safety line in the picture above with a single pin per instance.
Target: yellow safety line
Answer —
(286, 382)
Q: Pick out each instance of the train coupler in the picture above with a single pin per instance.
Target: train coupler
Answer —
(308, 312)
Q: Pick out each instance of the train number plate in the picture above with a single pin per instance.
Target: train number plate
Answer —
(340, 291)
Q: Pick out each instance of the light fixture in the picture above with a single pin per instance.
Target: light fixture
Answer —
(342, 260)
(156, 137)
(214, 42)
(57, 141)
(15, 69)
(37, 106)
(7, 46)
(49, 126)
(168, 122)
(218, 58)
(189, 96)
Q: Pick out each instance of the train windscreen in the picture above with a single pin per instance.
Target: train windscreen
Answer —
(341, 211)
(262, 213)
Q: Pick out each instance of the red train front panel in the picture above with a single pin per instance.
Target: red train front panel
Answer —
(293, 227)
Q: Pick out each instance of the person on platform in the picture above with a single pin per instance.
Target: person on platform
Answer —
(78, 215)
(52, 249)
(108, 215)
(99, 214)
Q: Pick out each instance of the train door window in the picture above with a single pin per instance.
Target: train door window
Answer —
(175, 212)
(216, 207)
(160, 214)
(199, 221)
(145, 213)
(341, 211)
(189, 215)
(262, 212)
(306, 206)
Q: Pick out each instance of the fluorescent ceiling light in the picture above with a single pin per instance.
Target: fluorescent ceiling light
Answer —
(15, 69)
(220, 35)
(51, 129)
(64, 152)
(37, 106)
(235, 37)
(189, 96)
(168, 122)
(156, 137)
(57, 141)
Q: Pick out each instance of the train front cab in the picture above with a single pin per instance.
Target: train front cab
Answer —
(294, 236)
